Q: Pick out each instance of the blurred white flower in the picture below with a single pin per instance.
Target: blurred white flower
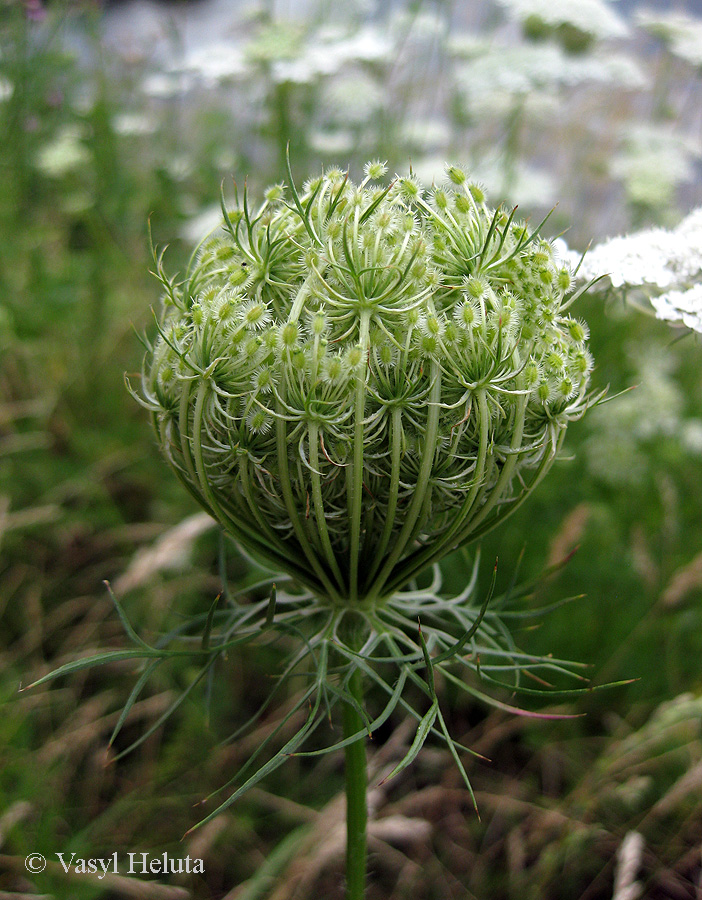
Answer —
(536, 106)
(517, 71)
(368, 44)
(166, 85)
(430, 170)
(619, 70)
(426, 134)
(224, 159)
(691, 436)
(216, 62)
(179, 166)
(83, 98)
(304, 70)
(133, 124)
(563, 254)
(520, 70)
(336, 142)
(466, 44)
(64, 154)
(7, 89)
(654, 160)
(522, 184)
(419, 26)
(327, 51)
(593, 17)
(682, 34)
(351, 98)
(203, 222)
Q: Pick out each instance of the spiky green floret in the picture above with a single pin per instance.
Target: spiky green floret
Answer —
(358, 379)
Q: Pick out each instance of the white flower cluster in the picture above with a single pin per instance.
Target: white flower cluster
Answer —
(593, 17)
(64, 154)
(216, 62)
(682, 34)
(7, 89)
(537, 67)
(685, 306)
(327, 52)
(286, 50)
(664, 265)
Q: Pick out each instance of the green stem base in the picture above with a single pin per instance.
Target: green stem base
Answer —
(356, 785)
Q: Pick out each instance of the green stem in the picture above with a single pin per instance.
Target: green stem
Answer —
(357, 465)
(356, 785)
(423, 485)
(424, 557)
(318, 501)
(396, 452)
(290, 503)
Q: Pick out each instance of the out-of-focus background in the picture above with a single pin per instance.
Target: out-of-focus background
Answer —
(115, 116)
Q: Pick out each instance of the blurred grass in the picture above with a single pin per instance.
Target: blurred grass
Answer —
(82, 490)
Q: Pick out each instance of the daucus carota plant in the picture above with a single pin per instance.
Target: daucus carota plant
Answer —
(355, 380)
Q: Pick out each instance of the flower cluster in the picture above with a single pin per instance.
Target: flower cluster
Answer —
(356, 379)
(663, 266)
(575, 24)
(680, 33)
(542, 69)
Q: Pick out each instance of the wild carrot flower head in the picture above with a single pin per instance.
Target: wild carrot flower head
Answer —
(355, 379)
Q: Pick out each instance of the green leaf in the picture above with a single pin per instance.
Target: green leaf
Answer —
(88, 662)
(136, 690)
(376, 723)
(488, 237)
(280, 757)
(346, 697)
(539, 610)
(303, 699)
(304, 218)
(124, 620)
(228, 224)
(462, 641)
(427, 663)
(464, 775)
(208, 624)
(498, 704)
(270, 612)
(557, 692)
(169, 712)
(420, 737)
(374, 676)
